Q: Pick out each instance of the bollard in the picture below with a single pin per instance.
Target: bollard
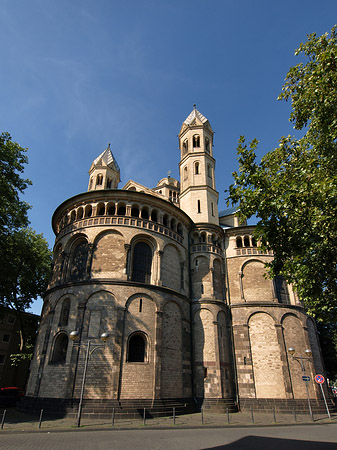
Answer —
(113, 417)
(144, 417)
(252, 414)
(295, 418)
(174, 415)
(3, 419)
(228, 421)
(274, 415)
(40, 420)
(202, 415)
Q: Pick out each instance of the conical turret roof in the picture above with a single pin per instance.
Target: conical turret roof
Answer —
(195, 114)
(106, 158)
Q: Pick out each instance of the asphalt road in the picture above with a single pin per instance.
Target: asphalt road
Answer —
(308, 437)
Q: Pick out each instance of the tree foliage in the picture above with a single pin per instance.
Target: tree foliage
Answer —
(293, 190)
(25, 259)
(13, 211)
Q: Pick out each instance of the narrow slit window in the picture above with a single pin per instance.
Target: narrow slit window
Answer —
(199, 207)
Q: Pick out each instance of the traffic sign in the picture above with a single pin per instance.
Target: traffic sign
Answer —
(319, 379)
(305, 378)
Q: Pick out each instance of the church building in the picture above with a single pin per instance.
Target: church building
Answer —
(180, 289)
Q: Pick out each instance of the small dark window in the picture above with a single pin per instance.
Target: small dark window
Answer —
(111, 210)
(60, 349)
(6, 338)
(196, 167)
(137, 348)
(108, 183)
(196, 141)
(145, 213)
(121, 210)
(205, 372)
(165, 220)
(140, 304)
(209, 171)
(199, 207)
(64, 316)
(135, 211)
(142, 262)
(185, 146)
(154, 216)
(246, 241)
(239, 242)
(212, 205)
(99, 180)
(207, 144)
(101, 210)
(2, 359)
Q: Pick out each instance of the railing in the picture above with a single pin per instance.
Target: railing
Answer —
(123, 221)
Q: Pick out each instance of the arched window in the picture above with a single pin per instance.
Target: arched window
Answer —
(111, 209)
(60, 349)
(246, 241)
(135, 211)
(99, 180)
(141, 263)
(281, 289)
(180, 229)
(65, 310)
(207, 145)
(108, 183)
(154, 216)
(203, 237)
(88, 211)
(79, 261)
(79, 213)
(185, 146)
(137, 348)
(100, 209)
(165, 220)
(196, 141)
(196, 168)
(185, 173)
(121, 210)
(209, 170)
(145, 213)
(72, 216)
(239, 242)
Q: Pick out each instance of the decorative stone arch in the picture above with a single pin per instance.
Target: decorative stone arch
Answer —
(249, 317)
(253, 285)
(266, 356)
(172, 267)
(140, 294)
(144, 213)
(109, 256)
(111, 209)
(80, 213)
(88, 211)
(100, 313)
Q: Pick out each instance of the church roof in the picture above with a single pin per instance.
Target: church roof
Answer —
(228, 211)
(195, 114)
(106, 158)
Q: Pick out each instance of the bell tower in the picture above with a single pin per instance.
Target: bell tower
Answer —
(104, 172)
(198, 196)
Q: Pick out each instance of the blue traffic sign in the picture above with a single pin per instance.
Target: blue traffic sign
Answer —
(319, 379)
(305, 378)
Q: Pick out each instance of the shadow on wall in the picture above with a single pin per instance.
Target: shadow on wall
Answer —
(258, 442)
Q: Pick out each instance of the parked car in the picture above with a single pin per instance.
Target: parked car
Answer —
(9, 396)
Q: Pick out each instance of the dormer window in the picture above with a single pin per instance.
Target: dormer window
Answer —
(99, 180)
(196, 141)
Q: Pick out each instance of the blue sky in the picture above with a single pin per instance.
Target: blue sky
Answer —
(75, 75)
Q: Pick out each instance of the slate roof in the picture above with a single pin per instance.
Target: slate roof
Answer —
(106, 158)
(228, 211)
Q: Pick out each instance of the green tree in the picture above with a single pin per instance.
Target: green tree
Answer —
(293, 190)
(13, 211)
(25, 259)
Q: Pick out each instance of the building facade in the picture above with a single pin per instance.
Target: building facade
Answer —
(179, 287)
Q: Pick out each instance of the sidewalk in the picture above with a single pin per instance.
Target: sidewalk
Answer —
(16, 421)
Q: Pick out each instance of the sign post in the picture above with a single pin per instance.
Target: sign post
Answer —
(320, 380)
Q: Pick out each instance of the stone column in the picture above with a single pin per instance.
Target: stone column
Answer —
(284, 359)
(158, 355)
(159, 281)
(91, 248)
(126, 270)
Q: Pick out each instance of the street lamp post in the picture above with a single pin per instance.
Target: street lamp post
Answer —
(301, 360)
(74, 335)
